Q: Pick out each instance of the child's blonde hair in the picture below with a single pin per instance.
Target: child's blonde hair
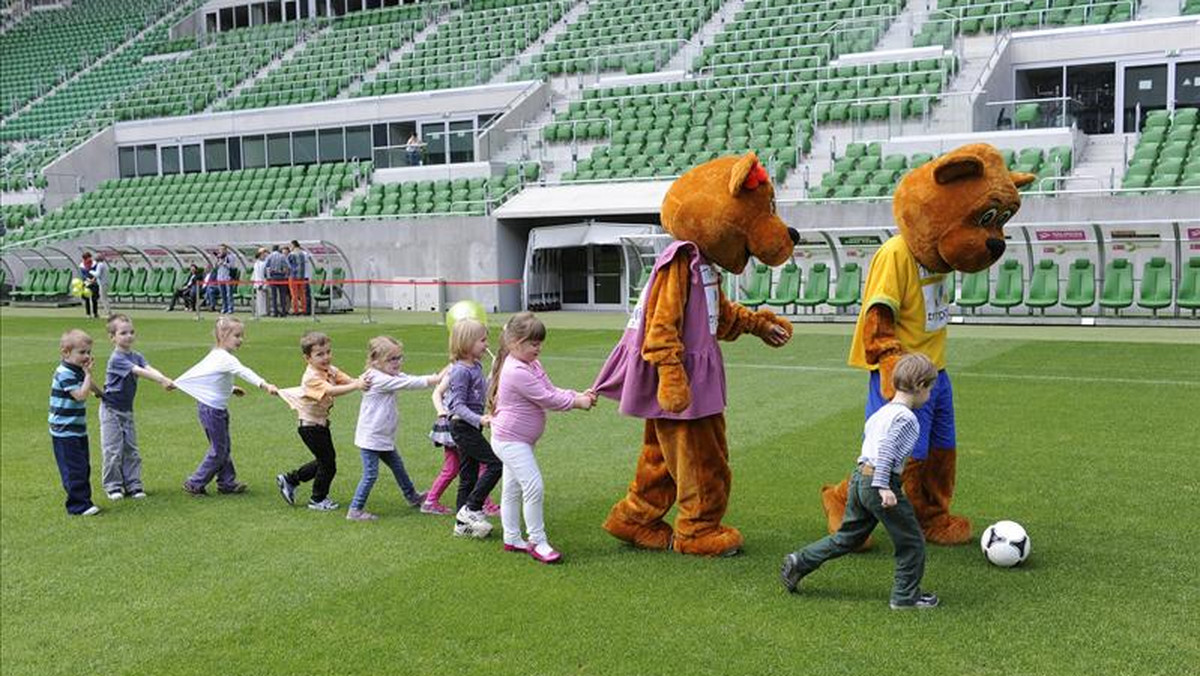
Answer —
(72, 338)
(380, 348)
(522, 327)
(913, 371)
(226, 326)
(114, 319)
(463, 335)
(311, 340)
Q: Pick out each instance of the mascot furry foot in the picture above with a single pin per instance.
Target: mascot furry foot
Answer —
(929, 485)
(721, 541)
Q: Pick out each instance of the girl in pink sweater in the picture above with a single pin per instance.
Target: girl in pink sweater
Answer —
(519, 396)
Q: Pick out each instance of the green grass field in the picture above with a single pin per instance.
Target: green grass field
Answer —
(1088, 437)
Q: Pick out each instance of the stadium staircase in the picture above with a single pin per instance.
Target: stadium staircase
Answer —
(512, 71)
(705, 36)
(398, 54)
(222, 102)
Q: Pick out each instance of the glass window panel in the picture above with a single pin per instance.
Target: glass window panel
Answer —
(462, 141)
(254, 150)
(279, 150)
(170, 159)
(147, 160)
(216, 157)
(127, 162)
(235, 153)
(304, 147)
(434, 136)
(1187, 85)
(383, 158)
(379, 135)
(358, 143)
(290, 11)
(241, 16)
(330, 145)
(274, 11)
(191, 158)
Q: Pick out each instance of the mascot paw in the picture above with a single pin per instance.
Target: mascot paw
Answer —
(948, 530)
(833, 501)
(674, 393)
(655, 535)
(723, 541)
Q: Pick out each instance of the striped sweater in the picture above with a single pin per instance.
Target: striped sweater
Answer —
(68, 418)
(888, 439)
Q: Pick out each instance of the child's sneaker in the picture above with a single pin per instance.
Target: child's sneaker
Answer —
(360, 515)
(235, 488)
(521, 547)
(468, 515)
(478, 530)
(197, 491)
(791, 574)
(435, 508)
(491, 509)
(325, 505)
(115, 495)
(286, 488)
(925, 600)
(417, 500)
(544, 553)
(138, 494)
(90, 511)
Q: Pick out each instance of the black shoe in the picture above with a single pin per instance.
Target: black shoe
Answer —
(923, 601)
(790, 574)
(286, 488)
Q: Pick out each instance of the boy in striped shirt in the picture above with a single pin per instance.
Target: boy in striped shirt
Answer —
(68, 420)
(875, 494)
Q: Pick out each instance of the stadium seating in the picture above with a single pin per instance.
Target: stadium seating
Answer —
(1116, 291)
(331, 60)
(816, 291)
(1081, 285)
(1166, 155)
(470, 48)
(48, 47)
(1155, 291)
(14, 216)
(604, 38)
(975, 290)
(1043, 286)
(475, 196)
(787, 287)
(848, 288)
(43, 284)
(759, 288)
(973, 16)
(1188, 297)
(1010, 285)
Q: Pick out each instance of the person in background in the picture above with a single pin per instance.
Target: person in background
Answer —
(87, 273)
(259, 277)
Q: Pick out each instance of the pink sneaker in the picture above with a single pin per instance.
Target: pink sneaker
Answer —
(491, 509)
(544, 553)
(520, 547)
(435, 508)
(360, 515)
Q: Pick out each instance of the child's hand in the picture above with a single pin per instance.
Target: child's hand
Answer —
(364, 381)
(168, 384)
(888, 497)
(238, 391)
(485, 421)
(271, 389)
(583, 401)
(592, 394)
(87, 364)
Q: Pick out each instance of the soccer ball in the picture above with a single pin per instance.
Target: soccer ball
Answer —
(1005, 543)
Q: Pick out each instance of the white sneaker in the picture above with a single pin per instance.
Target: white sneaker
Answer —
(90, 511)
(478, 531)
(325, 505)
(138, 495)
(115, 495)
(468, 515)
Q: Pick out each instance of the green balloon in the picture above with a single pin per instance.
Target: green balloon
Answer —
(465, 309)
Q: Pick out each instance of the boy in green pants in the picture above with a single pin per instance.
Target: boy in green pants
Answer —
(875, 493)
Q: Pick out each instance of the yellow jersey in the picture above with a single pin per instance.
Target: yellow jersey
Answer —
(918, 298)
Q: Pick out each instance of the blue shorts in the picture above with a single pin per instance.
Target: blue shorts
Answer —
(936, 416)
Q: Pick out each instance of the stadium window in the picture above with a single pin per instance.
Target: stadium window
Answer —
(210, 22)
(258, 14)
(191, 159)
(274, 11)
(226, 22)
(1145, 91)
(383, 158)
(126, 162)
(354, 6)
(279, 150)
(169, 159)
(358, 143)
(254, 152)
(398, 132)
(330, 146)
(462, 141)
(374, 4)
(337, 7)
(434, 136)
(379, 136)
(1187, 85)
(304, 147)
(147, 160)
(322, 8)
(241, 16)
(216, 155)
(235, 153)
(289, 11)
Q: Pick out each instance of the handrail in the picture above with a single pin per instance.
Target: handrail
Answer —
(1030, 193)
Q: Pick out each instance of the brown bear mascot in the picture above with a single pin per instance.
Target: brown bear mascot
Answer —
(950, 213)
(667, 368)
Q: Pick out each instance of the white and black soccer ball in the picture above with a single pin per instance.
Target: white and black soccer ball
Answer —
(1005, 543)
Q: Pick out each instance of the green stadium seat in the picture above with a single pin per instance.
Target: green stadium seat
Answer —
(1081, 285)
(816, 291)
(1043, 286)
(975, 289)
(1188, 297)
(787, 287)
(1010, 285)
(1155, 291)
(1116, 291)
(759, 288)
(848, 289)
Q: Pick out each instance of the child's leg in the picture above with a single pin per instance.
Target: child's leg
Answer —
(216, 461)
(370, 463)
(904, 529)
(522, 490)
(396, 463)
(510, 504)
(74, 467)
(444, 477)
(857, 524)
(307, 471)
(111, 445)
(468, 476)
(320, 442)
(131, 460)
(476, 449)
(488, 505)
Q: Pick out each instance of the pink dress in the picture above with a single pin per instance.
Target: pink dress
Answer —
(631, 380)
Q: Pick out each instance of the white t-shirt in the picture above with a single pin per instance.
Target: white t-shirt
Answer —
(377, 414)
(210, 381)
(888, 439)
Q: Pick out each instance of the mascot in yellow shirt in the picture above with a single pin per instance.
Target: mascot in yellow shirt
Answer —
(950, 213)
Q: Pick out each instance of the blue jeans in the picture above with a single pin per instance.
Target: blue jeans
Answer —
(75, 469)
(227, 298)
(370, 461)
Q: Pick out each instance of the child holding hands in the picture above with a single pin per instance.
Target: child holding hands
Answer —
(519, 397)
(321, 382)
(210, 382)
(378, 418)
(441, 438)
(122, 468)
(465, 401)
(69, 391)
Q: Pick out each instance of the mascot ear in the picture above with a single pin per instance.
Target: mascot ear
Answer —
(957, 166)
(747, 173)
(1020, 178)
